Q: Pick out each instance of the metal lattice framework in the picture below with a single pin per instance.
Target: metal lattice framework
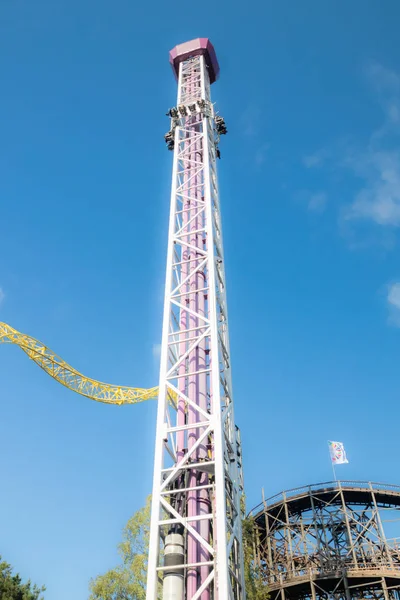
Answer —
(329, 541)
(62, 372)
(197, 473)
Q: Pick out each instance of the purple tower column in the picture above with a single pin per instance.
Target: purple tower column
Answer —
(196, 384)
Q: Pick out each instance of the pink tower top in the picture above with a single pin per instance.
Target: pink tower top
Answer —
(194, 48)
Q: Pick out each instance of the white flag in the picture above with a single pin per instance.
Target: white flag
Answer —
(338, 453)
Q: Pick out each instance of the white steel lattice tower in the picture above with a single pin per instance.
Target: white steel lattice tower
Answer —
(195, 540)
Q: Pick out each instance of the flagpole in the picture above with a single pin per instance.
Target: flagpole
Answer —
(333, 469)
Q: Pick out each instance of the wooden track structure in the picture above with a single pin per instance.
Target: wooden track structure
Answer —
(330, 541)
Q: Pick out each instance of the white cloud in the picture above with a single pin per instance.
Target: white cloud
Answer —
(393, 299)
(2, 296)
(394, 295)
(394, 113)
(250, 120)
(384, 79)
(378, 165)
(314, 160)
(317, 202)
(156, 350)
(314, 201)
(374, 204)
(386, 84)
(261, 154)
(379, 198)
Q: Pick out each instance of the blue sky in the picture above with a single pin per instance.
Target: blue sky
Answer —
(310, 191)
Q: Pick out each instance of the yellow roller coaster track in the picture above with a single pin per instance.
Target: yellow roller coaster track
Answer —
(62, 372)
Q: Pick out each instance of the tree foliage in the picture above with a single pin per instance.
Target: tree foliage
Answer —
(12, 588)
(127, 581)
(256, 587)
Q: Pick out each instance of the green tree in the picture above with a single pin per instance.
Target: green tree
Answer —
(256, 587)
(12, 588)
(127, 581)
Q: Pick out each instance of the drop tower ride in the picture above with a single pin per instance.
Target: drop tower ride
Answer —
(195, 537)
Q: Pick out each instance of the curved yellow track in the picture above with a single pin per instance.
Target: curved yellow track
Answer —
(62, 372)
